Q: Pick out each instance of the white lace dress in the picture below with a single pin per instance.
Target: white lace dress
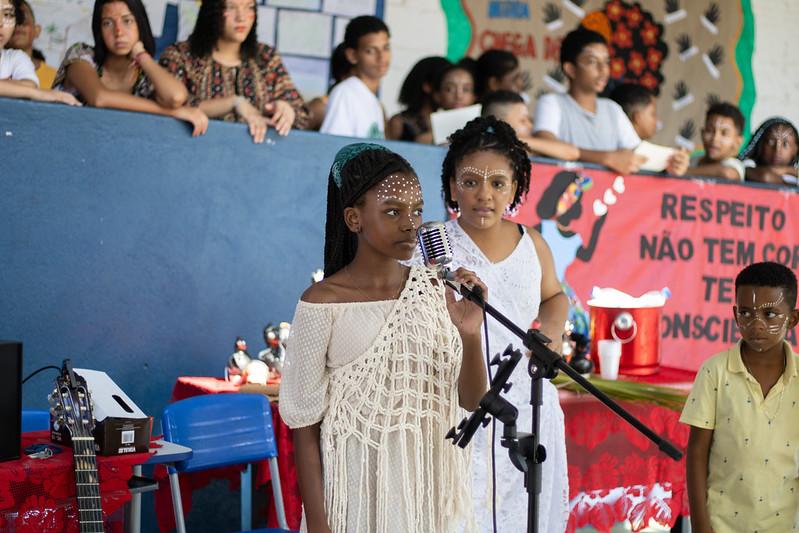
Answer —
(514, 286)
(382, 379)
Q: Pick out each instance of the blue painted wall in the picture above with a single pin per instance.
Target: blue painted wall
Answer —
(132, 248)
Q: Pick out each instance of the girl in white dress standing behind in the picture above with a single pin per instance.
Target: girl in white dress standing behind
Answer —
(485, 175)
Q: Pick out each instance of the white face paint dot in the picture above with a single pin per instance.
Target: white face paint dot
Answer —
(399, 187)
(775, 303)
(402, 189)
(763, 315)
(467, 178)
(486, 172)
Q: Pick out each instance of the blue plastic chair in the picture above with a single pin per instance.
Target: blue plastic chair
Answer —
(224, 430)
(35, 420)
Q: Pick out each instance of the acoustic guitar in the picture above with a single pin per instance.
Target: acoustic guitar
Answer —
(72, 410)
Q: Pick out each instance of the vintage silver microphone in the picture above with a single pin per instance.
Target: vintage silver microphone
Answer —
(437, 253)
(434, 243)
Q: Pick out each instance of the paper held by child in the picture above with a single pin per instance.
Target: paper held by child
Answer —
(445, 123)
(657, 156)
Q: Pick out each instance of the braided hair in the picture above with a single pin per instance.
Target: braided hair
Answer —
(356, 169)
(753, 148)
(487, 133)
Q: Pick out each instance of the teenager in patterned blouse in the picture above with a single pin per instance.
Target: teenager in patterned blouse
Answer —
(230, 75)
(119, 71)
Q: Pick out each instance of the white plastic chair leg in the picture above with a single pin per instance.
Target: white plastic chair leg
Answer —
(177, 504)
(246, 498)
(277, 492)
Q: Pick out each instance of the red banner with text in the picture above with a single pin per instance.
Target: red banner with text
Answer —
(642, 233)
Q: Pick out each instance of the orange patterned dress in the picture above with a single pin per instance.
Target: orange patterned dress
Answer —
(260, 79)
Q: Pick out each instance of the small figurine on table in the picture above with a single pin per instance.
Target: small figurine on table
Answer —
(238, 361)
(579, 359)
(275, 352)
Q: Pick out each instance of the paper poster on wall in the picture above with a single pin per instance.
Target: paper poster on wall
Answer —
(187, 17)
(295, 4)
(309, 75)
(339, 27)
(266, 25)
(303, 33)
(63, 24)
(349, 8)
(688, 53)
(156, 12)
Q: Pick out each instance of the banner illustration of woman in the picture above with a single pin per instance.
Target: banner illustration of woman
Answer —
(558, 207)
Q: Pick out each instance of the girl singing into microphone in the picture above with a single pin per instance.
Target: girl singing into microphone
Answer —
(485, 175)
(380, 358)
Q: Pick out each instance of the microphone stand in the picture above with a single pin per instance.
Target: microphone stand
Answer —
(525, 451)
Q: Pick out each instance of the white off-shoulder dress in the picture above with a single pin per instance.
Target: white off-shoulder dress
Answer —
(382, 379)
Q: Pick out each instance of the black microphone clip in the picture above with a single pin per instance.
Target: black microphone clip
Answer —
(474, 293)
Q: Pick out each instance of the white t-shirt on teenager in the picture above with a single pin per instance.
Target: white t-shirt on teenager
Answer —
(16, 65)
(354, 111)
(608, 129)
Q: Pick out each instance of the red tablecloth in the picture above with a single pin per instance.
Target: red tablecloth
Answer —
(186, 387)
(39, 494)
(615, 473)
(676, 377)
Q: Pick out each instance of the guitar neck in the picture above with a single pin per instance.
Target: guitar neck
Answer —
(90, 511)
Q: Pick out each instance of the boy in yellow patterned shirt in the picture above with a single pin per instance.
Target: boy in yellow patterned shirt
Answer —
(743, 410)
